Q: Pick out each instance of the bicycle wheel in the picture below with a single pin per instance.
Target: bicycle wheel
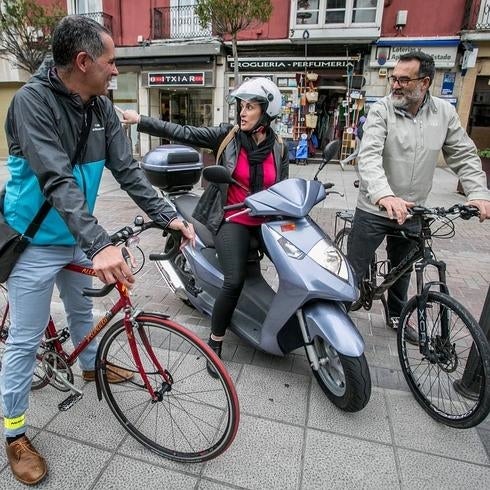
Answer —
(432, 377)
(341, 240)
(39, 379)
(194, 417)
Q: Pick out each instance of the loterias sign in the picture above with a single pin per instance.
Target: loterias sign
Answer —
(175, 78)
(290, 64)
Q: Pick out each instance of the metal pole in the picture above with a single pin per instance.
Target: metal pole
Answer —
(469, 385)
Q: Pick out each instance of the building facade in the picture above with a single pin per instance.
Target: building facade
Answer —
(330, 59)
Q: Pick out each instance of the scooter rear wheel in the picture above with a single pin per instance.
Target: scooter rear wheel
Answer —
(345, 380)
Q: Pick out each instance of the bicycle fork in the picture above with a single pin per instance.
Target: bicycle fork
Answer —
(421, 301)
(131, 326)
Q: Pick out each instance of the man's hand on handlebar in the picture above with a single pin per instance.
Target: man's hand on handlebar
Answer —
(483, 207)
(396, 207)
(110, 267)
(187, 231)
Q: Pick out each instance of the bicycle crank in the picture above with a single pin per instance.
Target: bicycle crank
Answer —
(58, 372)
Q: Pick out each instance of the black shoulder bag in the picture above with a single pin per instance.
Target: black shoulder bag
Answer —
(13, 243)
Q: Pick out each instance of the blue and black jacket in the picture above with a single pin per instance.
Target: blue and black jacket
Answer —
(43, 128)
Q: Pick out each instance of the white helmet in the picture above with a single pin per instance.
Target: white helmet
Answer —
(262, 90)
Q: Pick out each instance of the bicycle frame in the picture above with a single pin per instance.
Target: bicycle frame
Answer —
(123, 303)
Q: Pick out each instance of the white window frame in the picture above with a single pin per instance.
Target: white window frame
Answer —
(349, 11)
(84, 6)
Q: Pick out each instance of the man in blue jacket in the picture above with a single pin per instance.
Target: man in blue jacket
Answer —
(43, 127)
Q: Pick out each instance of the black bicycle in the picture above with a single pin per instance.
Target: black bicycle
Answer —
(450, 340)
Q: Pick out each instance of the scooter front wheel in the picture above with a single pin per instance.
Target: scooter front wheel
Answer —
(345, 380)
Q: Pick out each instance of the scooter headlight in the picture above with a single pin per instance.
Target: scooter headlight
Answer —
(328, 257)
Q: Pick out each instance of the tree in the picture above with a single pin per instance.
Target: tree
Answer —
(26, 30)
(231, 17)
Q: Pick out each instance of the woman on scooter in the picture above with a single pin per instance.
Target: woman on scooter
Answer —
(257, 159)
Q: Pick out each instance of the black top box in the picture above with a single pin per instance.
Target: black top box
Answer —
(172, 168)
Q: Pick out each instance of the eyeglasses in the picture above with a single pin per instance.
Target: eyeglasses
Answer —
(403, 82)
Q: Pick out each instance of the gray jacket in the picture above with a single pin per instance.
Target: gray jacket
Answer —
(399, 154)
(43, 127)
(209, 210)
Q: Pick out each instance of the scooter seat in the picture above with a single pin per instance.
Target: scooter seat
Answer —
(185, 205)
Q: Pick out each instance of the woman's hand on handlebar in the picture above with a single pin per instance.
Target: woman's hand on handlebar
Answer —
(187, 230)
(110, 267)
(483, 207)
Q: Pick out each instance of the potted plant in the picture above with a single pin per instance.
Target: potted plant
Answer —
(484, 154)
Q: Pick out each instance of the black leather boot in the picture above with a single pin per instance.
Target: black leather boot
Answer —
(216, 345)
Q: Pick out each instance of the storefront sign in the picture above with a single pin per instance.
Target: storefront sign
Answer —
(387, 56)
(165, 79)
(290, 64)
(448, 83)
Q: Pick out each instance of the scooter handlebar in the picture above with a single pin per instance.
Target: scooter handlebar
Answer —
(175, 236)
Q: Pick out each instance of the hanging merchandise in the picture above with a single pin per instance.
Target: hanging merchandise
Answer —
(312, 96)
(311, 120)
(311, 76)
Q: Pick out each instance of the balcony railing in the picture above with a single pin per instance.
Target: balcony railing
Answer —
(477, 15)
(177, 23)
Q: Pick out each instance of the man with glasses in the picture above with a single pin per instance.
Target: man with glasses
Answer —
(403, 135)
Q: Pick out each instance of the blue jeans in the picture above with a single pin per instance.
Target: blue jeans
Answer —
(30, 288)
(367, 233)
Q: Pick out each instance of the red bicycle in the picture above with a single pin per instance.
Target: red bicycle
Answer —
(171, 405)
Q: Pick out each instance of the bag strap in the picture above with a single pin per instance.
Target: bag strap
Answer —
(226, 140)
(45, 208)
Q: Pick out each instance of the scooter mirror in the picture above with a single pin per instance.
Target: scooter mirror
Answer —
(328, 153)
(217, 174)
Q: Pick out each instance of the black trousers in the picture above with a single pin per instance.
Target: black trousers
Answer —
(367, 233)
(232, 244)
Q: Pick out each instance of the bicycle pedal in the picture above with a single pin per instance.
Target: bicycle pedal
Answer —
(69, 402)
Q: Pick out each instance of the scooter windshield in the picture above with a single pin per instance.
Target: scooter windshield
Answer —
(292, 197)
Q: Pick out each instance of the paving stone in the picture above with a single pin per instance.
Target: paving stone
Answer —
(338, 462)
(265, 454)
(422, 471)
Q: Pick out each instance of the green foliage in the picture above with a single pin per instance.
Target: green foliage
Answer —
(484, 153)
(26, 30)
(232, 16)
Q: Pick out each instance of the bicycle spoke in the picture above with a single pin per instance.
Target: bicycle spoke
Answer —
(190, 417)
(435, 376)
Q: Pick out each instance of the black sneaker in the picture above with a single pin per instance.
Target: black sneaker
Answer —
(216, 345)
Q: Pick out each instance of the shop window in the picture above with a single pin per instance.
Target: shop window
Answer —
(125, 97)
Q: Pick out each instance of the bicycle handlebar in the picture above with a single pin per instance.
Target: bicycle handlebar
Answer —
(116, 238)
(463, 210)
(127, 232)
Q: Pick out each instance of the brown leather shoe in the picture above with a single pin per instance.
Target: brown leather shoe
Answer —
(27, 465)
(114, 375)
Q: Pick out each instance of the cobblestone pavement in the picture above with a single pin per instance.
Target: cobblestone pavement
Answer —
(290, 435)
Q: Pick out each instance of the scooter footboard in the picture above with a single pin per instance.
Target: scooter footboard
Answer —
(330, 321)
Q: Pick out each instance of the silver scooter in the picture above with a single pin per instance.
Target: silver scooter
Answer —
(315, 283)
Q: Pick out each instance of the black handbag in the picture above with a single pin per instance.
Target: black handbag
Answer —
(13, 243)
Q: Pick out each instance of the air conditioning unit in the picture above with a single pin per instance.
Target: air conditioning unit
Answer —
(140, 38)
